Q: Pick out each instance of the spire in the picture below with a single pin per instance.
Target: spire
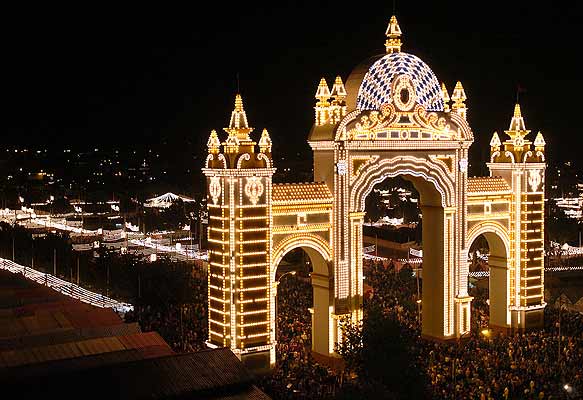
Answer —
(459, 96)
(445, 97)
(265, 142)
(338, 90)
(539, 142)
(517, 122)
(393, 34)
(214, 144)
(495, 143)
(517, 126)
(238, 125)
(323, 93)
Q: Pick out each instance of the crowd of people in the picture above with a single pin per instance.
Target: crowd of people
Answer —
(533, 365)
(491, 366)
(296, 375)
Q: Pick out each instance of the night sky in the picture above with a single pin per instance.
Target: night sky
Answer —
(114, 76)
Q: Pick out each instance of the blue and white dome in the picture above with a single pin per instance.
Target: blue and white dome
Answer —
(375, 88)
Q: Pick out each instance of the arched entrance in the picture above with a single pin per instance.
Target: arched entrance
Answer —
(499, 278)
(320, 276)
(435, 188)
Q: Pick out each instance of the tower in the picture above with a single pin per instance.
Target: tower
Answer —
(522, 166)
(239, 203)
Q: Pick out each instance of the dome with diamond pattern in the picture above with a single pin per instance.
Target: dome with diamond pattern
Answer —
(375, 88)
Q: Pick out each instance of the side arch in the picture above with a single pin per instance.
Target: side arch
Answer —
(489, 227)
(301, 240)
(320, 254)
(500, 270)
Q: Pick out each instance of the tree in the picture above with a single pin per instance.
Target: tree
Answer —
(378, 353)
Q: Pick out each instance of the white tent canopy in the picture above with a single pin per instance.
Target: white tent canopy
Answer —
(166, 200)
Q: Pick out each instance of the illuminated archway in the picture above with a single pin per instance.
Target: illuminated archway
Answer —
(499, 280)
(392, 118)
(319, 255)
(436, 190)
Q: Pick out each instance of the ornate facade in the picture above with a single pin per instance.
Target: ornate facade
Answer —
(392, 117)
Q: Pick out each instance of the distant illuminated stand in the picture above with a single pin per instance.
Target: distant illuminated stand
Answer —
(391, 118)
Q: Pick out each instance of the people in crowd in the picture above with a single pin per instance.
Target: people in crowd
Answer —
(529, 365)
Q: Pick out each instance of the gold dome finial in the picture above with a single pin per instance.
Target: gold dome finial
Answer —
(393, 34)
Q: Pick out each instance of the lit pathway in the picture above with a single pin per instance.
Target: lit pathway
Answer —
(64, 287)
(181, 253)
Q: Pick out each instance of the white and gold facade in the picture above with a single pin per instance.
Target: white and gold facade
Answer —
(391, 117)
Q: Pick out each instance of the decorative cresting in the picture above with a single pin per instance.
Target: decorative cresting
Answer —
(399, 120)
(410, 120)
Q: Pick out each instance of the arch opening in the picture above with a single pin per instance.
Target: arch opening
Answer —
(437, 318)
(300, 300)
(489, 281)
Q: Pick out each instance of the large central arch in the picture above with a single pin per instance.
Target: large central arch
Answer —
(436, 189)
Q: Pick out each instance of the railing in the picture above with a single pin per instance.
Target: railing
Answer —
(64, 287)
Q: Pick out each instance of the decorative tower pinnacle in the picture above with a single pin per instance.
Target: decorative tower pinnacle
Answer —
(459, 97)
(517, 125)
(338, 90)
(323, 92)
(214, 144)
(445, 97)
(393, 34)
(265, 142)
(539, 142)
(495, 143)
(323, 105)
(238, 125)
(338, 107)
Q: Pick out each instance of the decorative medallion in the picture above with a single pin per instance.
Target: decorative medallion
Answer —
(403, 93)
(534, 179)
(254, 189)
(215, 188)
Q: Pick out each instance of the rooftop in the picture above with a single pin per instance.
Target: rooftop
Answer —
(487, 184)
(309, 192)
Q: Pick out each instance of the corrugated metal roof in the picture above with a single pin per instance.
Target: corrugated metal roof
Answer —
(83, 348)
(140, 340)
